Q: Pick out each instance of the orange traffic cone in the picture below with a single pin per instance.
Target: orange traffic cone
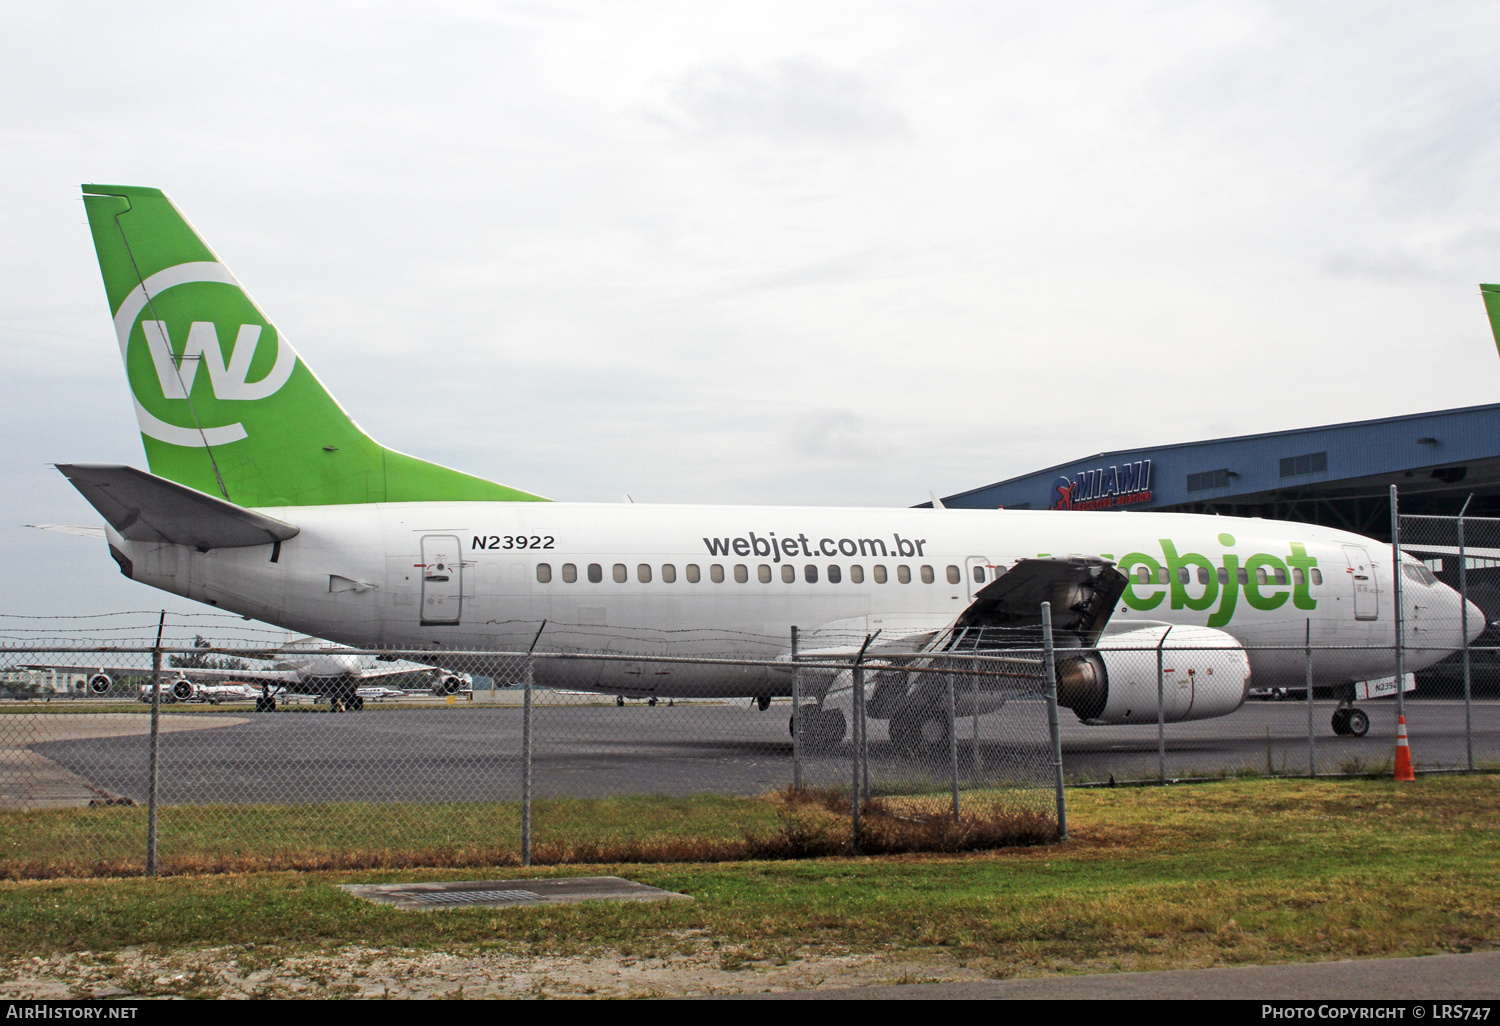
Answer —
(1403, 753)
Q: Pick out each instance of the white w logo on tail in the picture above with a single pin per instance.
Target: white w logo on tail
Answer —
(228, 382)
(176, 376)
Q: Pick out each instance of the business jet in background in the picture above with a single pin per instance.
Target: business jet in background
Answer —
(264, 498)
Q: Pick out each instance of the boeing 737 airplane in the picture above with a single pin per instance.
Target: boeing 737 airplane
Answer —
(266, 499)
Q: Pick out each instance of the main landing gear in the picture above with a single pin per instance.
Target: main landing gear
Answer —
(918, 730)
(265, 703)
(819, 726)
(347, 700)
(1351, 722)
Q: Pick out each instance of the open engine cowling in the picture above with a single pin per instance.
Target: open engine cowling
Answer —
(100, 683)
(1205, 674)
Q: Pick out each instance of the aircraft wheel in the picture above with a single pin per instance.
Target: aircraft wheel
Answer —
(1340, 722)
(905, 731)
(260, 705)
(620, 701)
(913, 732)
(763, 702)
(934, 733)
(810, 719)
(651, 701)
(1358, 723)
(357, 703)
(830, 727)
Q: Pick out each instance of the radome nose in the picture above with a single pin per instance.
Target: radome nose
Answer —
(1476, 622)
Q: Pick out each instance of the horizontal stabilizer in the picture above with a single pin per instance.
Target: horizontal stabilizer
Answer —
(82, 530)
(147, 508)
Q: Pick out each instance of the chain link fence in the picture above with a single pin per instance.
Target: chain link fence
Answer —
(442, 758)
(138, 758)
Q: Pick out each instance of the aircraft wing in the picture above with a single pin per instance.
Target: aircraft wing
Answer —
(192, 673)
(408, 671)
(1083, 591)
(1006, 613)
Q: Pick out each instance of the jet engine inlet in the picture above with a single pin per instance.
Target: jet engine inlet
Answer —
(1082, 684)
(100, 683)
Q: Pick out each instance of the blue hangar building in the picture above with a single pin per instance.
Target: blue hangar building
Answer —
(1338, 475)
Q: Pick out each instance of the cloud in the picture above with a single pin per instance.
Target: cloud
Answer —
(839, 435)
(795, 100)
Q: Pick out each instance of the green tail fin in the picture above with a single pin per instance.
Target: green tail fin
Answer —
(1491, 294)
(224, 402)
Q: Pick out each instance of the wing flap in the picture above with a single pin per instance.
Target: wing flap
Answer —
(1083, 591)
(147, 508)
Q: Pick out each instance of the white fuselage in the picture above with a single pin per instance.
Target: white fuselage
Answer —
(483, 575)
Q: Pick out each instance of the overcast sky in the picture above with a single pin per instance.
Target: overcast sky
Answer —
(800, 253)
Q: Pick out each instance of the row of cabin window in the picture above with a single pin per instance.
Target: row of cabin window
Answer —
(1275, 575)
(835, 573)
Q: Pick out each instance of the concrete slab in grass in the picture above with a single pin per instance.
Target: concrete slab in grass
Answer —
(507, 893)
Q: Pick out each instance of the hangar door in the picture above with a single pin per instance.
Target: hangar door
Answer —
(442, 579)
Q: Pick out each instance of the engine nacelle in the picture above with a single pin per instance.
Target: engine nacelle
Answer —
(1205, 673)
(100, 683)
(450, 684)
(182, 690)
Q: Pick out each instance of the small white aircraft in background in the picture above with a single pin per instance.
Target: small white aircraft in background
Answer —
(382, 694)
(307, 666)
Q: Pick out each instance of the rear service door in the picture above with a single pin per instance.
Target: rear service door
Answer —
(1362, 577)
(442, 579)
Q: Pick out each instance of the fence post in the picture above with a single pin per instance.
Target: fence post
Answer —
(953, 744)
(859, 686)
(155, 748)
(529, 681)
(1396, 603)
(1463, 598)
(1161, 710)
(1312, 764)
(856, 728)
(1049, 662)
(796, 717)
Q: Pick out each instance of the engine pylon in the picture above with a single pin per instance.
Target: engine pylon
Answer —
(1403, 753)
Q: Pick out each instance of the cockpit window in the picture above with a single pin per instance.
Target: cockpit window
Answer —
(1419, 573)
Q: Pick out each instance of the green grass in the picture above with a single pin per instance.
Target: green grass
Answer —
(1232, 872)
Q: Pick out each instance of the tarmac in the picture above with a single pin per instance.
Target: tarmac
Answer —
(587, 747)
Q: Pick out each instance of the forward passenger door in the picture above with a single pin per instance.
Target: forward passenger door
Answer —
(1362, 577)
